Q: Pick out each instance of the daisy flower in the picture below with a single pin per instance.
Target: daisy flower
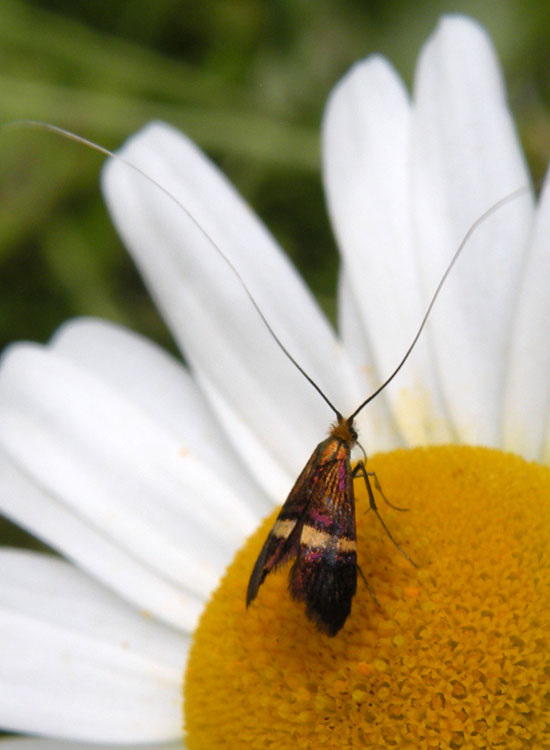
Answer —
(148, 476)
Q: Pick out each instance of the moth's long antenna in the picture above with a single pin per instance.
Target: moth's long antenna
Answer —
(495, 207)
(105, 151)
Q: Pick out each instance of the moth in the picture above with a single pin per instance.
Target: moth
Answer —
(316, 525)
(316, 528)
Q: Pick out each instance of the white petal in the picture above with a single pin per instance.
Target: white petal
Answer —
(211, 317)
(80, 664)
(375, 425)
(366, 141)
(28, 505)
(269, 472)
(466, 157)
(98, 461)
(526, 423)
(161, 386)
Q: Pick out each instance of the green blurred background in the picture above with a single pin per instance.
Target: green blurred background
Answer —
(247, 79)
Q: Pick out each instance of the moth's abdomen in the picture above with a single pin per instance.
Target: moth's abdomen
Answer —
(326, 582)
(316, 525)
(324, 574)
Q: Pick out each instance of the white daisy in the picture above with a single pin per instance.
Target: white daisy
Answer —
(147, 476)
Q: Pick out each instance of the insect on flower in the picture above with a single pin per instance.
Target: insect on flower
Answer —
(316, 525)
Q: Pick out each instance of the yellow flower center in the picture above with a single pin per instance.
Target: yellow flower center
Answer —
(457, 655)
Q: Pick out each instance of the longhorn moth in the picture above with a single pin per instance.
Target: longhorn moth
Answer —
(316, 524)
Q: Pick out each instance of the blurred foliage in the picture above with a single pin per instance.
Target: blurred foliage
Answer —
(247, 79)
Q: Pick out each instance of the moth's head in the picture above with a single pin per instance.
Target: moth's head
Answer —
(344, 430)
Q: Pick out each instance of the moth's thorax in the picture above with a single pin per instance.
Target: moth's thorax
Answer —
(344, 430)
(333, 450)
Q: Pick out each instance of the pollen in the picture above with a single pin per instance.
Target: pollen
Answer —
(453, 653)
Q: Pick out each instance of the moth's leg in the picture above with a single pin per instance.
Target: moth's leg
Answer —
(356, 471)
(360, 470)
(379, 489)
(370, 589)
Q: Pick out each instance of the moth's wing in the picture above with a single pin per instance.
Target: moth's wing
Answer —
(283, 541)
(324, 575)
